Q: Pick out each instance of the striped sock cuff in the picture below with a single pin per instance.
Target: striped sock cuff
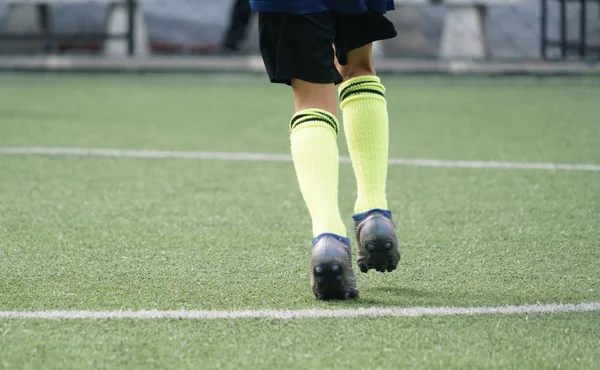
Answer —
(314, 115)
(370, 85)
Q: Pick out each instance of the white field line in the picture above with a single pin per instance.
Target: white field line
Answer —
(263, 157)
(304, 314)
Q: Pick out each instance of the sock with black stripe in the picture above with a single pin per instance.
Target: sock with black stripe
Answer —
(365, 115)
(313, 136)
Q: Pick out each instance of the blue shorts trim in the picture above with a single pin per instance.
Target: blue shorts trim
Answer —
(310, 6)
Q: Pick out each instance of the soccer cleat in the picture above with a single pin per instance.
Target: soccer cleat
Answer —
(331, 268)
(378, 246)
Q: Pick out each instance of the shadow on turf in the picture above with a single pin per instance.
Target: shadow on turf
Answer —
(398, 297)
(384, 293)
(380, 296)
(403, 291)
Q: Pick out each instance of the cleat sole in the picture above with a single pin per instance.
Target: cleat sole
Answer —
(329, 282)
(331, 268)
(380, 257)
(378, 246)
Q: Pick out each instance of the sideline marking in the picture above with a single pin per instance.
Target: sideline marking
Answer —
(265, 157)
(304, 314)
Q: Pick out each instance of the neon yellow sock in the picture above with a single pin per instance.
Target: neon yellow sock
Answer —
(367, 133)
(313, 135)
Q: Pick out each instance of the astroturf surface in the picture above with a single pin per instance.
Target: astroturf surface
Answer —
(97, 234)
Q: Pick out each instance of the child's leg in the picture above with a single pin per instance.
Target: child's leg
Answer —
(313, 136)
(297, 50)
(366, 126)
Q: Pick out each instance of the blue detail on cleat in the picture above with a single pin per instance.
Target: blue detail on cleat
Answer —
(343, 239)
(361, 216)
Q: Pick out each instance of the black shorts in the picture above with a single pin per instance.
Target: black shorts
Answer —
(301, 45)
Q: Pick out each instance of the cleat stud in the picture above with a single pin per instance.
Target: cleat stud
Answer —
(363, 267)
(320, 295)
(318, 270)
(388, 245)
(320, 279)
(370, 247)
(336, 268)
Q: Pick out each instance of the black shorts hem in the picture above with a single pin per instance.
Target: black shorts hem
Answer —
(302, 46)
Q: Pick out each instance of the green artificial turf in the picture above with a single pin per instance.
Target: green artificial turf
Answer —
(136, 233)
(522, 342)
(513, 119)
(94, 233)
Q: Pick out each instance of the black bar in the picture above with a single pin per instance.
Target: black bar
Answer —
(582, 28)
(61, 37)
(131, 8)
(543, 31)
(563, 27)
(572, 46)
(569, 45)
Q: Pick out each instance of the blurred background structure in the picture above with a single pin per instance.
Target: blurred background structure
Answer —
(510, 32)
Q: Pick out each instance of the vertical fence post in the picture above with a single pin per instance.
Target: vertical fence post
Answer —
(582, 28)
(131, 8)
(43, 13)
(543, 29)
(563, 28)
